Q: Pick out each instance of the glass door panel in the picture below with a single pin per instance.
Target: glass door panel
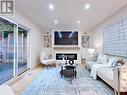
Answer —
(7, 53)
(22, 50)
(13, 50)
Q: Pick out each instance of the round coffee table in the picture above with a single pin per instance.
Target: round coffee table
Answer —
(68, 70)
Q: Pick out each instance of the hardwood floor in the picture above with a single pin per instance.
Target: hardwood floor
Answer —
(22, 83)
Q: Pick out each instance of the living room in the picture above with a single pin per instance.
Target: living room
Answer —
(63, 47)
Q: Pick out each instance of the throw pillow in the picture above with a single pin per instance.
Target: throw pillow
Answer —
(104, 59)
(118, 63)
(42, 55)
(114, 65)
(112, 62)
(99, 58)
(45, 57)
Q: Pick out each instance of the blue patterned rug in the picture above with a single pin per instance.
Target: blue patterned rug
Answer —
(49, 82)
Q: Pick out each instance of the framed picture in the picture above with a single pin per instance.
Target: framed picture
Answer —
(85, 40)
(47, 40)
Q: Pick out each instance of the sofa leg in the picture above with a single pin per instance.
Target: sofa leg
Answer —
(115, 92)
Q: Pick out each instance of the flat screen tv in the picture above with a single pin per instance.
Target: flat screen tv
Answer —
(66, 38)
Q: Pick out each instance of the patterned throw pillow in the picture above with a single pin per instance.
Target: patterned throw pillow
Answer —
(112, 62)
(117, 63)
(102, 59)
(99, 58)
(47, 56)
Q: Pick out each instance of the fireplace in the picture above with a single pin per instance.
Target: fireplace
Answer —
(60, 56)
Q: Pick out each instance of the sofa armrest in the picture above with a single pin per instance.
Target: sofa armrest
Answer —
(90, 63)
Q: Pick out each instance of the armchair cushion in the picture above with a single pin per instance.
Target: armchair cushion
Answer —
(49, 61)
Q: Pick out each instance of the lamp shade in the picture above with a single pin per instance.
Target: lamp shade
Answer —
(91, 51)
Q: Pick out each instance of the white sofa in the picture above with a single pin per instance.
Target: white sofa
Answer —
(107, 77)
(110, 75)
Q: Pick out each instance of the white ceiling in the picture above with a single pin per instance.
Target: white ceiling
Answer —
(67, 12)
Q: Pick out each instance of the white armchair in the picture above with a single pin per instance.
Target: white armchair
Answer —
(6, 90)
(44, 60)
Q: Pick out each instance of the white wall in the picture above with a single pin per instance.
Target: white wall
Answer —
(36, 43)
(97, 32)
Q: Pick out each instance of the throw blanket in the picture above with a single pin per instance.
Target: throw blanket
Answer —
(94, 69)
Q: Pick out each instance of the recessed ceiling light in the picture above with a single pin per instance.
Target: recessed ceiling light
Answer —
(55, 21)
(51, 7)
(78, 21)
(87, 6)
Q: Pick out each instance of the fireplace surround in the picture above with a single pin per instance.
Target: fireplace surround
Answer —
(73, 53)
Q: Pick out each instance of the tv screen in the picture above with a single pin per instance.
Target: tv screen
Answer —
(66, 38)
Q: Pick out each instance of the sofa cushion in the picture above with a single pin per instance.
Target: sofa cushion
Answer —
(106, 74)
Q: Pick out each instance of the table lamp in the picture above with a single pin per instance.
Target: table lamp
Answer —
(91, 51)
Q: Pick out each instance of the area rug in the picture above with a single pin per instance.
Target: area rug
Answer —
(49, 82)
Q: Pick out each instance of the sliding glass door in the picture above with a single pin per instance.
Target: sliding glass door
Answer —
(7, 53)
(22, 49)
(13, 50)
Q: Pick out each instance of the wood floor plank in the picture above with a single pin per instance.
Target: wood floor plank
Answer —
(22, 83)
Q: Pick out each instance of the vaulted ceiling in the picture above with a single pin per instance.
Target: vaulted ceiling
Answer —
(67, 12)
